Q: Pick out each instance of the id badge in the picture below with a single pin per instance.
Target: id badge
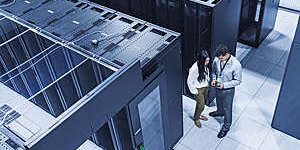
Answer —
(219, 81)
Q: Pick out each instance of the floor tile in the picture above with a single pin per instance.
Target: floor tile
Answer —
(181, 147)
(242, 51)
(230, 144)
(258, 65)
(239, 52)
(207, 109)
(292, 4)
(188, 124)
(248, 132)
(216, 123)
(283, 60)
(276, 42)
(251, 82)
(279, 141)
(269, 92)
(286, 23)
(189, 106)
(271, 87)
(241, 100)
(246, 56)
(272, 53)
(277, 73)
(260, 111)
(201, 138)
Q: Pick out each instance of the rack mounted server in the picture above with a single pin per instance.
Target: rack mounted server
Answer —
(257, 20)
(73, 71)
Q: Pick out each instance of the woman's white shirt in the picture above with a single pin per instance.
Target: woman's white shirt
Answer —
(192, 80)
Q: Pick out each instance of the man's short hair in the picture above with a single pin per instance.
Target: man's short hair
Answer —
(222, 50)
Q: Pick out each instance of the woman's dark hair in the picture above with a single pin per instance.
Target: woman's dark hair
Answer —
(222, 50)
(201, 65)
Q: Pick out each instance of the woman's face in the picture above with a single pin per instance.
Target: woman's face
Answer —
(206, 61)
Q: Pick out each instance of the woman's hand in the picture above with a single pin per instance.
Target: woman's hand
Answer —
(213, 83)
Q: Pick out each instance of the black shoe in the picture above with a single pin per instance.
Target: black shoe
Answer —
(222, 134)
(215, 114)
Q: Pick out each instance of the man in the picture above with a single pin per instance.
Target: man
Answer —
(226, 75)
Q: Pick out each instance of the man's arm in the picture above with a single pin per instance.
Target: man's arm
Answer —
(237, 78)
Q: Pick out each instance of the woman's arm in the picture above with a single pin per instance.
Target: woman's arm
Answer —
(191, 80)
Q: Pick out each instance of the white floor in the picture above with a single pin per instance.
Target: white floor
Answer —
(254, 101)
(292, 4)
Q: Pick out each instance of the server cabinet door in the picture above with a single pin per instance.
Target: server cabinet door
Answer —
(143, 9)
(169, 14)
(267, 18)
(122, 129)
(149, 10)
(248, 12)
(115, 133)
(120, 5)
(104, 137)
(146, 112)
(175, 15)
(191, 39)
(161, 12)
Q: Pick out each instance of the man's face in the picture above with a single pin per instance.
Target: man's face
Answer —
(223, 58)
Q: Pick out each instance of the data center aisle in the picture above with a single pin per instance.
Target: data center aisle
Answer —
(255, 99)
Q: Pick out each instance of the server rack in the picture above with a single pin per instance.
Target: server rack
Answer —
(206, 25)
(143, 40)
(257, 20)
(170, 14)
(93, 74)
(286, 114)
(166, 13)
(41, 82)
(144, 9)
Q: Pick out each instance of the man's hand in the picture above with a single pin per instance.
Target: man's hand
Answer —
(221, 86)
(213, 83)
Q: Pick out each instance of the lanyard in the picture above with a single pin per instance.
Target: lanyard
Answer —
(222, 68)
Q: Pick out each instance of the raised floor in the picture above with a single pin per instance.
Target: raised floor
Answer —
(255, 99)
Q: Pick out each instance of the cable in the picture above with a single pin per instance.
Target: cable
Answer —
(7, 5)
(86, 36)
(96, 41)
(106, 38)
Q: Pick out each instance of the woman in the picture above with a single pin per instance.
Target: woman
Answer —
(198, 83)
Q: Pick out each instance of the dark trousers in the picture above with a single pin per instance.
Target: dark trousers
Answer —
(224, 99)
